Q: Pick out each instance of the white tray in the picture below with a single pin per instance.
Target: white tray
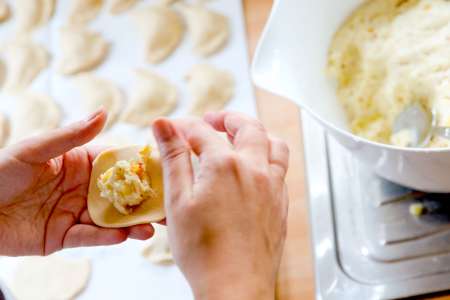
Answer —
(119, 272)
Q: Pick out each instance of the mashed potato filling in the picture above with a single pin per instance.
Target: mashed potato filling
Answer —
(388, 55)
(127, 184)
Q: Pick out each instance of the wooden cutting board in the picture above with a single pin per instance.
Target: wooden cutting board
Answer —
(296, 277)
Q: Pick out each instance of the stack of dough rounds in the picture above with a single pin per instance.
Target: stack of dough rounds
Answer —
(98, 92)
(84, 11)
(82, 50)
(210, 88)
(158, 251)
(152, 96)
(31, 14)
(103, 212)
(25, 60)
(162, 31)
(209, 30)
(37, 113)
(50, 278)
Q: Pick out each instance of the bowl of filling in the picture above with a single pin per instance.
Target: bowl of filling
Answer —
(375, 73)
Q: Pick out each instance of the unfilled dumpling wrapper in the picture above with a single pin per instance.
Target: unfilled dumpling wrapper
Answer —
(98, 92)
(84, 11)
(210, 88)
(81, 50)
(120, 6)
(35, 114)
(162, 31)
(209, 30)
(24, 62)
(153, 96)
(104, 213)
(158, 251)
(50, 278)
(4, 129)
(5, 11)
(33, 14)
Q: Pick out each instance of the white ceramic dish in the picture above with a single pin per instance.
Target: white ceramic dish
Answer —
(291, 61)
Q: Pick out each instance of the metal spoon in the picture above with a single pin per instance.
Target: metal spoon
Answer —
(421, 123)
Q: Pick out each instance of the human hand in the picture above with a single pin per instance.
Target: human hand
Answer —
(226, 222)
(43, 188)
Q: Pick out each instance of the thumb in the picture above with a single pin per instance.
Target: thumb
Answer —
(176, 159)
(46, 146)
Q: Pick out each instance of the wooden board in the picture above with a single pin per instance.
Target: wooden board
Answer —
(296, 276)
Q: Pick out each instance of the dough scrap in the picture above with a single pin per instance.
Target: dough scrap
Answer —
(37, 113)
(120, 6)
(158, 251)
(210, 30)
(50, 278)
(103, 212)
(210, 88)
(33, 14)
(25, 60)
(153, 96)
(5, 129)
(84, 11)
(5, 11)
(98, 92)
(82, 50)
(162, 31)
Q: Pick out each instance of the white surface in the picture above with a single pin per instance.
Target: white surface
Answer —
(120, 272)
(292, 63)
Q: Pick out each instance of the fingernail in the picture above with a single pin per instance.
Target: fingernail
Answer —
(163, 130)
(94, 115)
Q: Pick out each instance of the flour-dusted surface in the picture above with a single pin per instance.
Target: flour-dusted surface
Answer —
(120, 272)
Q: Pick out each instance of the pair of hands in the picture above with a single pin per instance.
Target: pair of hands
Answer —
(226, 220)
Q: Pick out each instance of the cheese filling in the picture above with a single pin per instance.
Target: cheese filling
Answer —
(127, 184)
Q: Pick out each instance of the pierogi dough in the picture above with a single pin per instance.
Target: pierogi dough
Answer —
(50, 278)
(84, 11)
(119, 6)
(157, 251)
(82, 50)
(33, 14)
(390, 54)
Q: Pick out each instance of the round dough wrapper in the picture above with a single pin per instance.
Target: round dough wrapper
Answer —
(153, 96)
(158, 251)
(210, 88)
(103, 213)
(37, 113)
(82, 50)
(50, 278)
(210, 31)
(98, 92)
(162, 31)
(5, 11)
(25, 60)
(33, 14)
(120, 6)
(84, 11)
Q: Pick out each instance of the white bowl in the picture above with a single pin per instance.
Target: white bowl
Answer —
(291, 61)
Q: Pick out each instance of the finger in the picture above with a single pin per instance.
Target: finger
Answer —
(85, 218)
(176, 159)
(248, 135)
(163, 222)
(82, 235)
(279, 157)
(202, 139)
(141, 232)
(46, 146)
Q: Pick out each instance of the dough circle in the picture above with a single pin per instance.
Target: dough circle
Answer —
(50, 278)
(84, 11)
(119, 6)
(102, 211)
(158, 251)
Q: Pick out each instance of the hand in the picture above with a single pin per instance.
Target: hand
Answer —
(226, 222)
(43, 189)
